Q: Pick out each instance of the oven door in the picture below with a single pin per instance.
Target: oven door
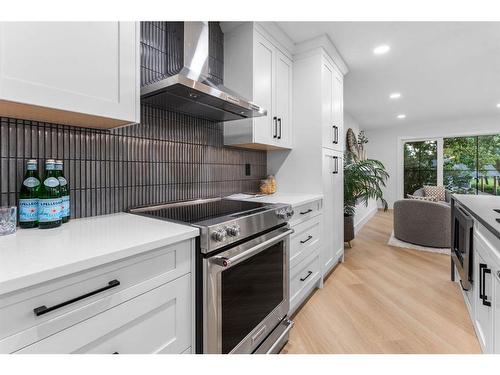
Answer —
(461, 246)
(246, 292)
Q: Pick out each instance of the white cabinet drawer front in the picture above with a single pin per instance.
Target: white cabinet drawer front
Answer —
(305, 239)
(302, 276)
(305, 212)
(136, 275)
(158, 321)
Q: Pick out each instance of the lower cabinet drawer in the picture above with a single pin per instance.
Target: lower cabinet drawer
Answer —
(302, 279)
(158, 321)
(305, 211)
(305, 239)
(72, 299)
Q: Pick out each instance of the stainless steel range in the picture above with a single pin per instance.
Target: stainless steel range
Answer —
(242, 272)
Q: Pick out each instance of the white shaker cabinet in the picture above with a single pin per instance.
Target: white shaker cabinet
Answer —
(332, 107)
(314, 165)
(257, 67)
(483, 314)
(333, 223)
(76, 73)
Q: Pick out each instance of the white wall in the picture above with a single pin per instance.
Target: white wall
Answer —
(363, 213)
(384, 143)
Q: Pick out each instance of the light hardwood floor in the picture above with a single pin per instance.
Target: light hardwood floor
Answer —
(385, 299)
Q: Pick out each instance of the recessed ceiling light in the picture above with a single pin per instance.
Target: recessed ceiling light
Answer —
(380, 50)
(395, 95)
(498, 105)
(401, 116)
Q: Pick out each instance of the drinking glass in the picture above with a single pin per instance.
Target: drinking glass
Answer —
(8, 220)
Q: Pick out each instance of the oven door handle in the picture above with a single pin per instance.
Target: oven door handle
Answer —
(226, 262)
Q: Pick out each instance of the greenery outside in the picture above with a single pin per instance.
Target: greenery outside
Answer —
(420, 165)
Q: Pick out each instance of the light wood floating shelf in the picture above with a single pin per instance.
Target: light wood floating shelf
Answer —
(57, 116)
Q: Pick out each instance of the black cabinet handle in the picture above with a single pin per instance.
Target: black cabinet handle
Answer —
(116, 353)
(335, 134)
(44, 309)
(483, 295)
(279, 124)
(308, 274)
(307, 239)
(306, 212)
(275, 133)
(481, 267)
(336, 158)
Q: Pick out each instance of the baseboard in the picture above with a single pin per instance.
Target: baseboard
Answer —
(365, 219)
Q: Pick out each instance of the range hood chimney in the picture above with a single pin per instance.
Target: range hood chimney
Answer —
(188, 88)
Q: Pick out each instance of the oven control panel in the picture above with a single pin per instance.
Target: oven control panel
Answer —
(243, 226)
(285, 213)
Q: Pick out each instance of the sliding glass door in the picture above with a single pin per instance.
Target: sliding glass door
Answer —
(465, 165)
(472, 164)
(420, 165)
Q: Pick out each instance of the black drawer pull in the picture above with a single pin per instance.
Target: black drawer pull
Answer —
(307, 239)
(306, 212)
(308, 274)
(116, 353)
(485, 297)
(44, 309)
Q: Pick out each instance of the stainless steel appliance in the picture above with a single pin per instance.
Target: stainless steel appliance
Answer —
(187, 87)
(462, 225)
(242, 272)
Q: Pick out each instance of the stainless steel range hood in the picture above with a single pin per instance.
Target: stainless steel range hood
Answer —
(190, 90)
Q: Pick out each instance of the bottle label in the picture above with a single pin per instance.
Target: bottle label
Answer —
(31, 182)
(51, 182)
(31, 167)
(65, 206)
(49, 210)
(28, 210)
(62, 181)
(49, 167)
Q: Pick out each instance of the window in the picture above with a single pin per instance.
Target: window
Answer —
(465, 165)
(472, 164)
(420, 165)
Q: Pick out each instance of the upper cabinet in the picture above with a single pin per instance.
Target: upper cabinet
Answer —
(76, 73)
(258, 67)
(333, 118)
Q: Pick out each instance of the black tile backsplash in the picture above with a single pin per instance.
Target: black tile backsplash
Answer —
(167, 157)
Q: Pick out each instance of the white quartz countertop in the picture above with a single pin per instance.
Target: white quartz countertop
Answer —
(33, 256)
(481, 207)
(293, 199)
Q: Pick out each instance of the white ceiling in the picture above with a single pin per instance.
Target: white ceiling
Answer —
(444, 70)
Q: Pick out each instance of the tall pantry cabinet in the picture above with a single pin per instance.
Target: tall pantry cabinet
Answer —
(315, 164)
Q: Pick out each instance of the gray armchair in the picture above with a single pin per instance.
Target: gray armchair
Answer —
(422, 222)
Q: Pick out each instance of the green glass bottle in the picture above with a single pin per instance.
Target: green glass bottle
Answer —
(64, 191)
(28, 196)
(49, 198)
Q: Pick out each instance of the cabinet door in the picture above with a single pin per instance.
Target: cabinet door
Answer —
(284, 99)
(85, 67)
(265, 127)
(338, 111)
(338, 206)
(483, 314)
(496, 302)
(333, 222)
(327, 93)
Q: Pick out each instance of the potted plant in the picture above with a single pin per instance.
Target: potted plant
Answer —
(363, 180)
